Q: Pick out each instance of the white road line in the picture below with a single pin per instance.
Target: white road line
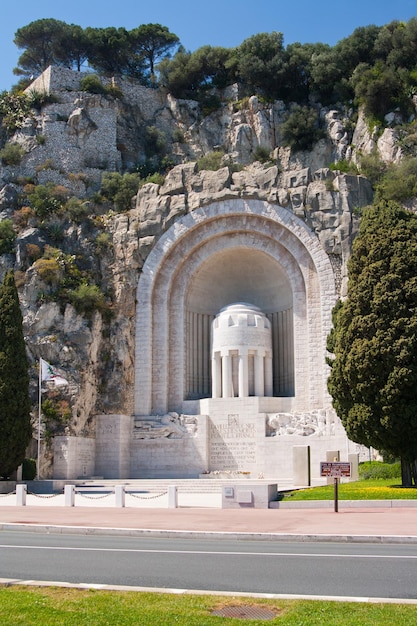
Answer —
(214, 553)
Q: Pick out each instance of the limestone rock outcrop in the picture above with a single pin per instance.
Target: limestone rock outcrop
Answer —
(89, 133)
(328, 201)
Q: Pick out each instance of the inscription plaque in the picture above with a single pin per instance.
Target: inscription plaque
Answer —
(232, 445)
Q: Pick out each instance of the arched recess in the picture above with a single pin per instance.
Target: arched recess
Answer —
(229, 251)
(270, 263)
(237, 273)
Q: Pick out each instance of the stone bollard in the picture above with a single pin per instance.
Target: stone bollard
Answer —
(172, 497)
(354, 460)
(301, 466)
(69, 493)
(119, 492)
(21, 491)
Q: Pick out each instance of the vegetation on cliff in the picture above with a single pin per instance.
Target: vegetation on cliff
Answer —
(109, 51)
(374, 67)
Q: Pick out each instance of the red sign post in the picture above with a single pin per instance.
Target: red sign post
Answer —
(336, 470)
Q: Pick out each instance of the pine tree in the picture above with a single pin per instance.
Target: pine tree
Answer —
(15, 424)
(373, 376)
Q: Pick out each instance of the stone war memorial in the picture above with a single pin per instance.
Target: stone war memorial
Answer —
(221, 284)
(233, 310)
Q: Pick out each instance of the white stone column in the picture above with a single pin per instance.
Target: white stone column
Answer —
(269, 384)
(243, 375)
(69, 495)
(216, 376)
(119, 496)
(21, 491)
(226, 376)
(259, 375)
(241, 330)
(172, 497)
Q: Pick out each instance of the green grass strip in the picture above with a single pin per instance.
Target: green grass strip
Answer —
(380, 489)
(49, 606)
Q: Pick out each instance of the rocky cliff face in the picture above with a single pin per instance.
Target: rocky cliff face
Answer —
(72, 141)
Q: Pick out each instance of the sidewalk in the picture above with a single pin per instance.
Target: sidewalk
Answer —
(375, 524)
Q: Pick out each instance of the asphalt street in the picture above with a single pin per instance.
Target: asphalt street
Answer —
(314, 569)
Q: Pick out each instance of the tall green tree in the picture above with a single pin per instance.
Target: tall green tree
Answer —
(42, 42)
(152, 42)
(260, 63)
(108, 49)
(110, 53)
(373, 375)
(299, 70)
(396, 44)
(325, 74)
(212, 64)
(190, 74)
(15, 424)
(381, 89)
(74, 47)
(359, 47)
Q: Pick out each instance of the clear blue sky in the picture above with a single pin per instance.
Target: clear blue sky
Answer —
(199, 22)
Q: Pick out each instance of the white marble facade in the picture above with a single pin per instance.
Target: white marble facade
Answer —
(233, 310)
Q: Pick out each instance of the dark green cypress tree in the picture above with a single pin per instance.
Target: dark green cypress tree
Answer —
(373, 375)
(15, 423)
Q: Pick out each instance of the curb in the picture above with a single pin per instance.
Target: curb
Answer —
(346, 504)
(188, 534)
(11, 582)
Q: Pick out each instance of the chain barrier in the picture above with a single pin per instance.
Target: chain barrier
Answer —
(134, 495)
(44, 495)
(84, 495)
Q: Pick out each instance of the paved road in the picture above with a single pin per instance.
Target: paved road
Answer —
(316, 569)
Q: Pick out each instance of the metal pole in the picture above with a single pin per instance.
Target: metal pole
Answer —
(336, 495)
(39, 421)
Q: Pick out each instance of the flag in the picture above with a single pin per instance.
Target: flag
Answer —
(50, 373)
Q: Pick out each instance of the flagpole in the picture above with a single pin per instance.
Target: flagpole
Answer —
(48, 373)
(39, 419)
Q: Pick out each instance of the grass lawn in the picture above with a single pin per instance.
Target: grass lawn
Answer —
(378, 489)
(52, 606)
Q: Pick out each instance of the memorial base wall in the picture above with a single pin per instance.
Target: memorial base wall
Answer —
(232, 441)
(171, 457)
(74, 457)
(113, 439)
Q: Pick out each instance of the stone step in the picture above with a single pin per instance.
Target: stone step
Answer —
(184, 485)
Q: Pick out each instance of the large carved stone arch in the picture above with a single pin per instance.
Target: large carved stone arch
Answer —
(191, 272)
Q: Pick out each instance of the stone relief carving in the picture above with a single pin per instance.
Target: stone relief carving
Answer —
(314, 423)
(170, 426)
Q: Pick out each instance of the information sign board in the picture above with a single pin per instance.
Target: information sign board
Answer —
(335, 469)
